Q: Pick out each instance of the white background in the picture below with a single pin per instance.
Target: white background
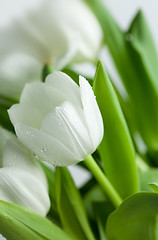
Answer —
(123, 11)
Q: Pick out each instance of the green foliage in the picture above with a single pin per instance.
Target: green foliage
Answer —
(70, 207)
(4, 119)
(75, 76)
(116, 150)
(18, 223)
(5, 104)
(102, 211)
(147, 178)
(136, 218)
(154, 186)
(47, 69)
(94, 194)
(50, 175)
(135, 58)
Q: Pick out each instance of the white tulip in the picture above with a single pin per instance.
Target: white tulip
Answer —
(22, 180)
(58, 120)
(15, 71)
(58, 31)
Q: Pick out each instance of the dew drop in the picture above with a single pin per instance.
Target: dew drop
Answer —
(11, 171)
(28, 132)
(43, 150)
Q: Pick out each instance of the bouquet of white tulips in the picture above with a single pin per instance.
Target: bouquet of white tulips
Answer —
(52, 116)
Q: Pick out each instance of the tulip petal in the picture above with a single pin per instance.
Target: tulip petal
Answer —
(45, 146)
(15, 71)
(73, 119)
(91, 112)
(27, 114)
(17, 186)
(4, 136)
(68, 57)
(61, 81)
(57, 124)
(41, 96)
(15, 155)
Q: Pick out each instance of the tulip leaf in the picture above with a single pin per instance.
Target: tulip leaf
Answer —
(72, 74)
(70, 207)
(154, 187)
(143, 44)
(94, 194)
(86, 187)
(18, 223)
(135, 58)
(50, 175)
(116, 149)
(136, 218)
(75, 75)
(147, 179)
(5, 104)
(102, 211)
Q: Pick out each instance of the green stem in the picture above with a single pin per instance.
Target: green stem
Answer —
(47, 69)
(103, 181)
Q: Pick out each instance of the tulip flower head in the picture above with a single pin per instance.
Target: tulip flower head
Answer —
(58, 32)
(22, 180)
(58, 120)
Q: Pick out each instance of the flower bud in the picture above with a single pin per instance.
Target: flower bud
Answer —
(22, 180)
(58, 120)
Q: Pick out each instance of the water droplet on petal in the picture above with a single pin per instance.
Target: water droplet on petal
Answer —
(43, 150)
(28, 132)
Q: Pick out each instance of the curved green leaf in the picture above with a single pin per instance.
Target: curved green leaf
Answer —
(50, 175)
(102, 211)
(148, 177)
(135, 58)
(143, 44)
(154, 186)
(116, 149)
(135, 219)
(18, 223)
(94, 194)
(70, 207)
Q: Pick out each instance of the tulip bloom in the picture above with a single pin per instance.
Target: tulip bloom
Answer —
(60, 31)
(57, 32)
(58, 120)
(22, 180)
